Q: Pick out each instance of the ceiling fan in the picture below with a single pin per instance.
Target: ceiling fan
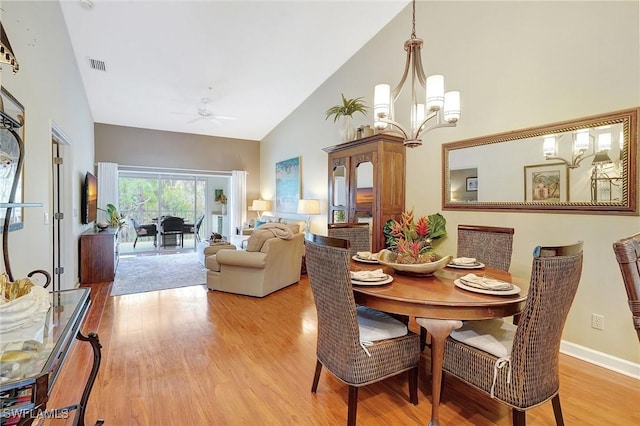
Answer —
(204, 113)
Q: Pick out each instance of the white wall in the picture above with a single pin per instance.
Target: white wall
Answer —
(49, 86)
(517, 65)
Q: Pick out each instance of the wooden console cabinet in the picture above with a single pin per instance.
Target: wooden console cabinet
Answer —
(367, 183)
(99, 255)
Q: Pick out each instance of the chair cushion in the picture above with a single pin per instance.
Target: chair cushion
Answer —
(375, 325)
(493, 336)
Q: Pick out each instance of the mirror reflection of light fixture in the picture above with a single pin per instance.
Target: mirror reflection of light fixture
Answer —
(581, 142)
(259, 206)
(442, 107)
(308, 207)
(6, 52)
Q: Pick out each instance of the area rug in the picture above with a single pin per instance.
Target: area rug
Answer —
(139, 274)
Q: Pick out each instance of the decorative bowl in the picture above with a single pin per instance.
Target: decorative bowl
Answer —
(102, 225)
(424, 269)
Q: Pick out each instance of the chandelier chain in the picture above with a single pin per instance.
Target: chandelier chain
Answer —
(413, 22)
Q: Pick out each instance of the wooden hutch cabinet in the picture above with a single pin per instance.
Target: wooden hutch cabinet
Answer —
(367, 183)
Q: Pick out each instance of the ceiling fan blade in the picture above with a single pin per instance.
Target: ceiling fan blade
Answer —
(193, 120)
(223, 117)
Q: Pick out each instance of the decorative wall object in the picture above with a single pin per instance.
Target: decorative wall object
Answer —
(9, 156)
(546, 183)
(288, 185)
(472, 184)
(611, 144)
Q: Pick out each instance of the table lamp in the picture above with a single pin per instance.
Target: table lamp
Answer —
(259, 206)
(308, 207)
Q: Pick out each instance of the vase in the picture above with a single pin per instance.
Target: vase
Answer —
(347, 131)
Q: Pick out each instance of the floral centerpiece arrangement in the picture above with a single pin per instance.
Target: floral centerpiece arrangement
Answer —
(411, 241)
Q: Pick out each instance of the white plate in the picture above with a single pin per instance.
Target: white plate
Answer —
(477, 265)
(359, 259)
(386, 281)
(372, 279)
(514, 290)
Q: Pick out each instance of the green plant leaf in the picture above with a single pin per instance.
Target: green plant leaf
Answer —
(437, 226)
(347, 108)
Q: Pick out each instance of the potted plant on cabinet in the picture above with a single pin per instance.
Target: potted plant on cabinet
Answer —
(116, 220)
(345, 112)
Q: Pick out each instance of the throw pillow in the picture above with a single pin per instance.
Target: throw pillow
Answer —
(259, 222)
(257, 239)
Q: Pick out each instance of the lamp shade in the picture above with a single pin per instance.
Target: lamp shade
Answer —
(308, 207)
(260, 205)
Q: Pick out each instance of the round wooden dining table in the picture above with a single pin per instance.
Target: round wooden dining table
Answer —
(441, 305)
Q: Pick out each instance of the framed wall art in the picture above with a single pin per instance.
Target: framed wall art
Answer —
(546, 183)
(472, 184)
(288, 185)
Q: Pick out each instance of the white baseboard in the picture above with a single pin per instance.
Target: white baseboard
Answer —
(609, 362)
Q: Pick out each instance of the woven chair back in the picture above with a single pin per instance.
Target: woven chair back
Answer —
(627, 252)
(555, 275)
(338, 333)
(356, 233)
(172, 225)
(490, 245)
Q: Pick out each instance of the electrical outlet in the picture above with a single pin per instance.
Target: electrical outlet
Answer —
(597, 321)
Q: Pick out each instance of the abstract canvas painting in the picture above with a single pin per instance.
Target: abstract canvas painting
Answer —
(287, 185)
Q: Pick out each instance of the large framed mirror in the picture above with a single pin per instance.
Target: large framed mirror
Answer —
(587, 165)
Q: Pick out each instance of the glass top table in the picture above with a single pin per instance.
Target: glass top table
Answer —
(25, 387)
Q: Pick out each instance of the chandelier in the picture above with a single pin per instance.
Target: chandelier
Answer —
(431, 107)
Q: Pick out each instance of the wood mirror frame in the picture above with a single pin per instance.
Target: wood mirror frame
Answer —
(493, 157)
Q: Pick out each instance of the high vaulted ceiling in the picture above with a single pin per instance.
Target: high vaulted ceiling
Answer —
(256, 61)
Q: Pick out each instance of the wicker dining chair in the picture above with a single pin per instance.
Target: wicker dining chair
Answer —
(518, 365)
(339, 347)
(356, 233)
(490, 245)
(627, 252)
(144, 231)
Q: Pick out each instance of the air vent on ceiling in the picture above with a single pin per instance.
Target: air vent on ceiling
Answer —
(97, 64)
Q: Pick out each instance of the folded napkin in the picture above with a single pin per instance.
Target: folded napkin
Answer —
(375, 275)
(367, 255)
(464, 261)
(472, 280)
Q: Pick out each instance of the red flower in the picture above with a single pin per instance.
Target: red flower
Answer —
(422, 227)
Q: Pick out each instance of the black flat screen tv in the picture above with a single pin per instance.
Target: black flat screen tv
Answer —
(89, 199)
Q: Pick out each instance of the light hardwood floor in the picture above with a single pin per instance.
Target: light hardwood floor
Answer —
(192, 357)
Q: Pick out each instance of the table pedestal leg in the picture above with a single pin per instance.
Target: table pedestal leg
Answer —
(439, 330)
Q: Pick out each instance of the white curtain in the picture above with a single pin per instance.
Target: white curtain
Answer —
(238, 201)
(107, 187)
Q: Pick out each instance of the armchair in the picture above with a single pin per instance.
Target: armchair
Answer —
(269, 264)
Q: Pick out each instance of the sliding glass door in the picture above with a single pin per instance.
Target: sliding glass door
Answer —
(144, 197)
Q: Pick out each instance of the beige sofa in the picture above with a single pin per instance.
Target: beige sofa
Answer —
(268, 264)
(205, 249)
